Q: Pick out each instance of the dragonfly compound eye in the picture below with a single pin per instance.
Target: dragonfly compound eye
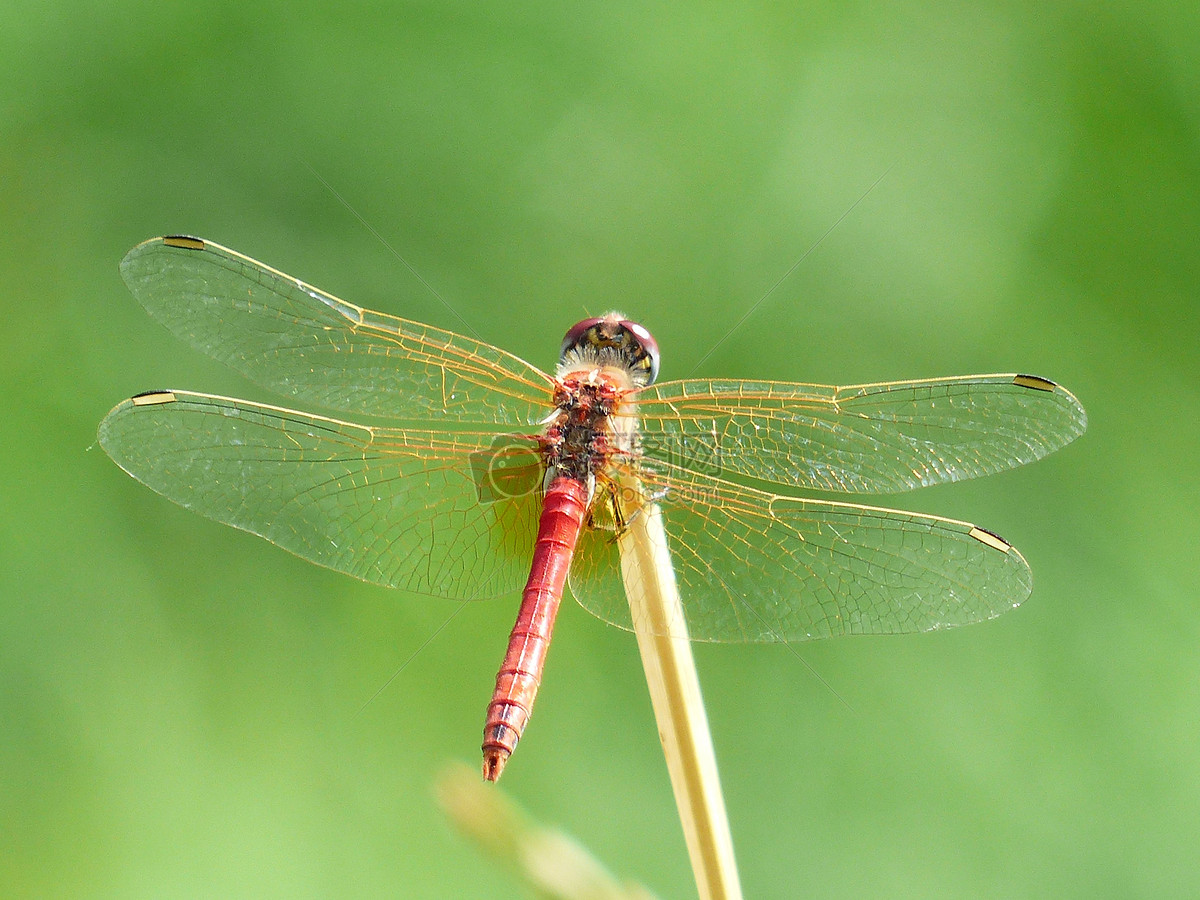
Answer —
(575, 335)
(648, 358)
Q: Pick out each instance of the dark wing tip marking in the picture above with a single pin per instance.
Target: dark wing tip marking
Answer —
(182, 240)
(152, 398)
(1035, 382)
(990, 538)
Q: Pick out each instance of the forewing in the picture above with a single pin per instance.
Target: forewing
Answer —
(867, 438)
(404, 508)
(308, 345)
(753, 566)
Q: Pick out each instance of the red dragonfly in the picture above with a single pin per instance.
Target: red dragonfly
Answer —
(467, 462)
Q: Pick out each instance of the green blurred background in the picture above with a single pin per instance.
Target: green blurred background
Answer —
(178, 701)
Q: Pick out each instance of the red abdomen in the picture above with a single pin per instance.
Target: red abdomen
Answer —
(521, 673)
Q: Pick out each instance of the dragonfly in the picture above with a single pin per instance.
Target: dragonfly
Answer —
(442, 465)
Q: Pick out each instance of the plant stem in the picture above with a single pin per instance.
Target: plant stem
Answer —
(675, 693)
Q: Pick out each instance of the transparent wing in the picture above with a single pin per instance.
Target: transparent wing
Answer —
(867, 438)
(306, 344)
(753, 566)
(404, 508)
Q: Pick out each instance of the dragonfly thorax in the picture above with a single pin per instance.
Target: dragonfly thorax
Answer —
(577, 441)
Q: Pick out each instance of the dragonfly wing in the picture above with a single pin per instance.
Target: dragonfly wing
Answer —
(306, 344)
(867, 438)
(753, 566)
(396, 507)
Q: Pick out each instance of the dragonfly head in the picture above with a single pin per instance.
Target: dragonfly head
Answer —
(612, 340)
